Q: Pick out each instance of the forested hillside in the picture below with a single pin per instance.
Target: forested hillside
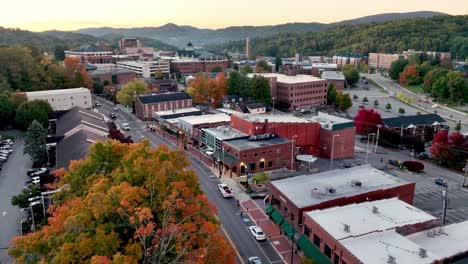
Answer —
(440, 33)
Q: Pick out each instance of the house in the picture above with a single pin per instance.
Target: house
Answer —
(63, 99)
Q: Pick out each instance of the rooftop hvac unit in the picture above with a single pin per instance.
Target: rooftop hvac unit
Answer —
(356, 183)
(422, 253)
(391, 259)
(330, 190)
(347, 228)
(375, 209)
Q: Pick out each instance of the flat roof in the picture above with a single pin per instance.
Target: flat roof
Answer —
(333, 75)
(225, 132)
(287, 118)
(368, 217)
(204, 119)
(245, 143)
(58, 91)
(331, 122)
(325, 65)
(450, 241)
(308, 190)
(283, 78)
(376, 248)
(229, 111)
(177, 111)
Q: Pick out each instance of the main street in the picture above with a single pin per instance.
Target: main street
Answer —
(233, 226)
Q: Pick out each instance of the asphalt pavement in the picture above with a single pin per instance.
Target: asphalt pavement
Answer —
(233, 226)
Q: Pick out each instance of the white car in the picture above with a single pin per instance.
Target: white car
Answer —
(36, 172)
(257, 233)
(225, 191)
(255, 260)
(125, 126)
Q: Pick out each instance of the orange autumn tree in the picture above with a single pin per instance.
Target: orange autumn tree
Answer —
(127, 204)
(76, 74)
(206, 90)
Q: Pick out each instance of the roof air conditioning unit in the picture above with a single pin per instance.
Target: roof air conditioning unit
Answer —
(331, 190)
(375, 209)
(356, 183)
(422, 253)
(391, 259)
(347, 228)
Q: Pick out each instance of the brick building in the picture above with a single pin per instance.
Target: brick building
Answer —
(296, 92)
(113, 76)
(187, 66)
(318, 68)
(292, 197)
(336, 78)
(90, 54)
(382, 61)
(343, 59)
(145, 105)
(161, 85)
(306, 134)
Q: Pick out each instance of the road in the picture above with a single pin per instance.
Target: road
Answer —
(233, 226)
(12, 180)
(395, 88)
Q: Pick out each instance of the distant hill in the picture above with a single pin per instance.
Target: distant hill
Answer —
(180, 35)
(440, 33)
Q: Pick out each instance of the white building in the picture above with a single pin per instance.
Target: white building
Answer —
(190, 123)
(145, 69)
(63, 99)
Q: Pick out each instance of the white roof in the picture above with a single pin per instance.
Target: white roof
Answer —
(177, 111)
(325, 65)
(376, 248)
(450, 241)
(229, 111)
(203, 119)
(282, 78)
(288, 118)
(333, 75)
(308, 190)
(58, 91)
(362, 219)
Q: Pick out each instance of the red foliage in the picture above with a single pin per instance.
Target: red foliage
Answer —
(409, 72)
(367, 120)
(441, 137)
(456, 138)
(414, 166)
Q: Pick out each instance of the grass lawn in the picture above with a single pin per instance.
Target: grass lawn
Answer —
(415, 88)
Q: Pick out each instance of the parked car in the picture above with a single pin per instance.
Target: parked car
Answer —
(362, 106)
(4, 155)
(441, 182)
(225, 191)
(125, 126)
(112, 115)
(3, 158)
(394, 163)
(36, 172)
(255, 260)
(6, 141)
(34, 181)
(257, 233)
(115, 109)
(423, 156)
(97, 105)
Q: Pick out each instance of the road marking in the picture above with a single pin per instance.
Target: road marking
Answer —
(231, 242)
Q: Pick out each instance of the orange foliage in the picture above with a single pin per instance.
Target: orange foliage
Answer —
(206, 90)
(76, 74)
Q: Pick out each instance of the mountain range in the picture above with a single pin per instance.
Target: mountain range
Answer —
(180, 35)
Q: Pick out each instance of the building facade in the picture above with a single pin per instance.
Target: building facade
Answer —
(63, 99)
(188, 66)
(336, 78)
(343, 59)
(382, 61)
(146, 69)
(90, 54)
(112, 77)
(145, 105)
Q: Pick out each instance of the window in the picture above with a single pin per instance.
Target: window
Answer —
(245, 155)
(252, 166)
(306, 231)
(317, 241)
(327, 251)
(336, 259)
(270, 164)
(292, 217)
(255, 154)
(262, 164)
(343, 262)
(285, 210)
(271, 151)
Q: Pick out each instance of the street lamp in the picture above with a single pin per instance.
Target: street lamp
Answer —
(292, 152)
(332, 150)
(377, 141)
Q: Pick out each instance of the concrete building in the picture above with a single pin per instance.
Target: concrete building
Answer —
(129, 43)
(343, 59)
(63, 99)
(146, 69)
(145, 105)
(90, 54)
(382, 61)
(116, 77)
(212, 138)
(296, 92)
(192, 125)
(369, 232)
(336, 78)
(248, 48)
(316, 69)
(292, 197)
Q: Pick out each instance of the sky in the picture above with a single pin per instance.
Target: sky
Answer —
(40, 15)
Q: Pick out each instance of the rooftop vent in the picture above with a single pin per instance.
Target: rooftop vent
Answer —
(375, 209)
(391, 259)
(330, 191)
(422, 253)
(347, 228)
(356, 183)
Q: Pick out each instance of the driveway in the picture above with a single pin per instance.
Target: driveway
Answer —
(12, 179)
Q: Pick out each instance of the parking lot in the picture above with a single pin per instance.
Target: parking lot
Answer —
(12, 179)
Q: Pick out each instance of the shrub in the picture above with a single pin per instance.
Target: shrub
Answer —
(415, 166)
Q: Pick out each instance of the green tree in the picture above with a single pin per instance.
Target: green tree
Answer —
(331, 95)
(260, 91)
(234, 83)
(33, 110)
(130, 91)
(458, 126)
(457, 86)
(424, 68)
(351, 74)
(22, 199)
(4, 85)
(355, 96)
(414, 59)
(247, 69)
(363, 67)
(59, 52)
(245, 86)
(396, 68)
(35, 143)
(278, 63)
(376, 103)
(7, 111)
(388, 106)
(432, 76)
(401, 110)
(263, 64)
(344, 101)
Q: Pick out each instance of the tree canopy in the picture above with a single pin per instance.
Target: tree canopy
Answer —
(351, 74)
(206, 90)
(37, 110)
(260, 90)
(126, 95)
(127, 203)
(35, 143)
(7, 110)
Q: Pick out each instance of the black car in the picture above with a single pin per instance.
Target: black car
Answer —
(112, 115)
(423, 156)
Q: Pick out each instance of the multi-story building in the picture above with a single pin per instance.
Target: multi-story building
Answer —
(90, 54)
(336, 78)
(161, 85)
(192, 125)
(192, 60)
(292, 197)
(63, 99)
(382, 61)
(443, 56)
(296, 92)
(342, 59)
(316, 69)
(115, 77)
(146, 69)
(145, 105)
(129, 43)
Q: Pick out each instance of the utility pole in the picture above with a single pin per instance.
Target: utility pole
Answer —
(377, 141)
(444, 203)
(332, 151)
(367, 146)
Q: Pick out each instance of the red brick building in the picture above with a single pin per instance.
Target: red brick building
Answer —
(145, 105)
(306, 134)
(292, 197)
(90, 54)
(336, 78)
(191, 66)
(113, 77)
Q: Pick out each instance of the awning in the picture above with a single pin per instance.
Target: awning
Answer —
(306, 158)
(226, 158)
(288, 229)
(411, 126)
(269, 209)
(311, 250)
(277, 217)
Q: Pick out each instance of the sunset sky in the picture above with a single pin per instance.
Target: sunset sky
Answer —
(69, 15)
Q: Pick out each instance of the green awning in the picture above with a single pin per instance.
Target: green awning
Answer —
(226, 158)
(288, 229)
(269, 209)
(311, 250)
(277, 217)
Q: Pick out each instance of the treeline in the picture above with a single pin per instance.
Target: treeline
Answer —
(440, 33)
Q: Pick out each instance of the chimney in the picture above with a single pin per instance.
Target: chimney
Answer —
(266, 127)
(375, 209)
